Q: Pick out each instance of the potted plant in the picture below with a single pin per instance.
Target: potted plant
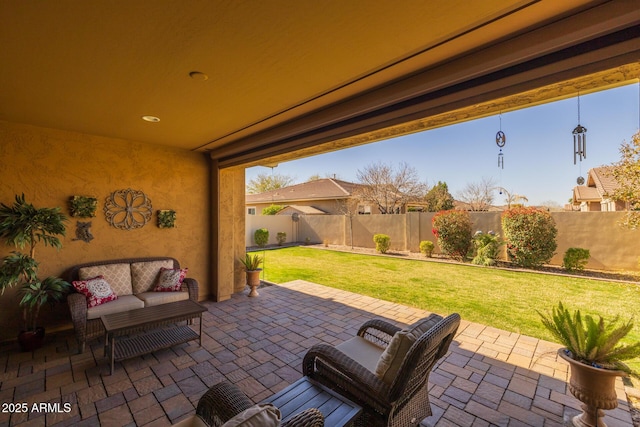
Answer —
(251, 264)
(25, 225)
(596, 357)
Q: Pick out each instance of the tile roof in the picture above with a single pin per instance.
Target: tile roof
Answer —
(306, 210)
(320, 189)
(599, 184)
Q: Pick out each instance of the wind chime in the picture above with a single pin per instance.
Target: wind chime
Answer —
(501, 140)
(579, 144)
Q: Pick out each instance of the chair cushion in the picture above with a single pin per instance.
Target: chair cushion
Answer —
(170, 279)
(391, 359)
(261, 415)
(145, 274)
(123, 303)
(96, 289)
(157, 298)
(118, 276)
(362, 351)
(192, 421)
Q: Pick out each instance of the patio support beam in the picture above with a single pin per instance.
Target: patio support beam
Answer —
(598, 39)
(228, 236)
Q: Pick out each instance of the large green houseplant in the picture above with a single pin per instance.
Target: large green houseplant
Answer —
(596, 357)
(23, 225)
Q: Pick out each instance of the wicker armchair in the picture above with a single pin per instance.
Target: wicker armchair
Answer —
(402, 400)
(224, 401)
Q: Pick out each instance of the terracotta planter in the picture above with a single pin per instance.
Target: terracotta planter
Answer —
(31, 340)
(253, 281)
(595, 388)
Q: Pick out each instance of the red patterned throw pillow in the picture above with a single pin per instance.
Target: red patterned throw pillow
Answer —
(170, 279)
(96, 290)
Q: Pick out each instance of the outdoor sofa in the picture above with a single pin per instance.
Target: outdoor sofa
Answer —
(136, 283)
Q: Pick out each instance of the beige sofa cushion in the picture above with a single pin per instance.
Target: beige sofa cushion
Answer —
(157, 298)
(391, 359)
(362, 351)
(192, 421)
(117, 275)
(261, 415)
(123, 303)
(145, 274)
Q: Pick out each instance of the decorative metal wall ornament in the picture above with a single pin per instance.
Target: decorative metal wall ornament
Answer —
(83, 231)
(128, 209)
(579, 139)
(501, 140)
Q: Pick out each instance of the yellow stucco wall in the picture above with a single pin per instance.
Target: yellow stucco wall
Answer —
(49, 166)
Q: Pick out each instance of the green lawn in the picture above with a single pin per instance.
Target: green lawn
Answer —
(503, 299)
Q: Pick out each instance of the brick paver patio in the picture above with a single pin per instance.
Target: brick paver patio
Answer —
(490, 377)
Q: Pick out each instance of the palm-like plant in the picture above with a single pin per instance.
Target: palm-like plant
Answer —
(23, 225)
(251, 262)
(590, 341)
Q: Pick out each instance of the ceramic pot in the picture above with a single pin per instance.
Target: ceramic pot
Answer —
(595, 388)
(253, 281)
(31, 340)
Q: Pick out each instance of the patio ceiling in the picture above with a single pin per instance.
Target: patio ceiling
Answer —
(276, 69)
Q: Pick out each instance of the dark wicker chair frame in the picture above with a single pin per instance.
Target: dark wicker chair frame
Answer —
(403, 403)
(88, 329)
(224, 400)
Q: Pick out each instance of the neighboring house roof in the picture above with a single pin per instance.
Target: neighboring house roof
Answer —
(320, 189)
(305, 210)
(600, 183)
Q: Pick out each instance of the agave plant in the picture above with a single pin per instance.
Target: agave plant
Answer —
(251, 262)
(590, 341)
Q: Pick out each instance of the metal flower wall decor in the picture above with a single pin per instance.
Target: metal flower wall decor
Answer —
(128, 209)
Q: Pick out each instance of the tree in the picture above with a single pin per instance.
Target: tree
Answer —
(438, 198)
(265, 182)
(512, 198)
(478, 195)
(388, 188)
(272, 210)
(626, 172)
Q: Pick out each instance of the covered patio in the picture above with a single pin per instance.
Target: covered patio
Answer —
(489, 377)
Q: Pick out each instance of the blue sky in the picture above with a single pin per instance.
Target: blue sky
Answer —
(538, 155)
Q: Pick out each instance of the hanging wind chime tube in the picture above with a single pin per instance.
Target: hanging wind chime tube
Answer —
(579, 139)
(501, 140)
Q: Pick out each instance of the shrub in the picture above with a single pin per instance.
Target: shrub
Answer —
(272, 210)
(281, 237)
(426, 247)
(487, 246)
(530, 234)
(261, 237)
(453, 230)
(575, 259)
(383, 242)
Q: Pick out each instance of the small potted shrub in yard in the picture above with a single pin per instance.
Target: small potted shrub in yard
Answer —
(426, 248)
(575, 259)
(596, 357)
(383, 242)
(25, 225)
(251, 263)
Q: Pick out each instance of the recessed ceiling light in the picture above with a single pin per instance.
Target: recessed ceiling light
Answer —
(152, 119)
(197, 75)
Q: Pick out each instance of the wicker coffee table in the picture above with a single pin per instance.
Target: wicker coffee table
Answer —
(145, 330)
